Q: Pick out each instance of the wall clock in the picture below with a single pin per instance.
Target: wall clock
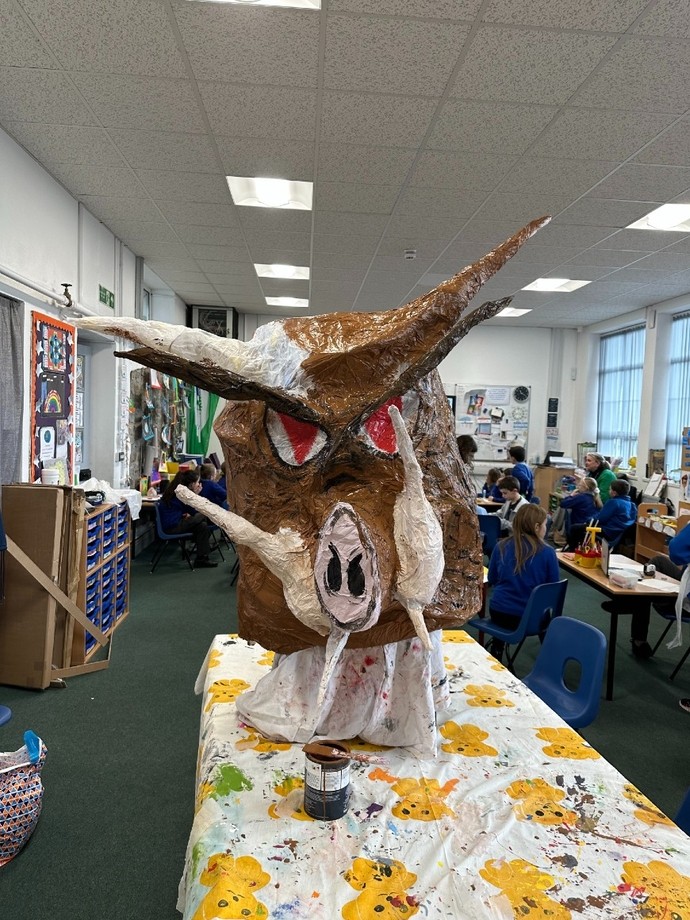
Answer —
(521, 394)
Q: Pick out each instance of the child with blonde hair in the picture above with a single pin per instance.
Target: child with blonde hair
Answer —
(584, 503)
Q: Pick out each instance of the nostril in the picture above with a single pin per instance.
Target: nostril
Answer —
(334, 575)
(355, 577)
(338, 480)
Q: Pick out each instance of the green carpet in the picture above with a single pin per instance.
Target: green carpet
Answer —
(122, 746)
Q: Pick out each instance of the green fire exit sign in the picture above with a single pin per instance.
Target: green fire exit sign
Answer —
(107, 297)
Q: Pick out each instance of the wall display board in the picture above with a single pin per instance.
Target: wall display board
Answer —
(495, 416)
(52, 397)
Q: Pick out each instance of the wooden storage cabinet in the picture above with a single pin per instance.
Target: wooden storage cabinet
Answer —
(104, 577)
(545, 480)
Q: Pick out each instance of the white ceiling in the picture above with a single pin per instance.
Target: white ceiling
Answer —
(435, 125)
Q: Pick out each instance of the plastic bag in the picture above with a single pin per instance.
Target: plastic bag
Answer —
(21, 795)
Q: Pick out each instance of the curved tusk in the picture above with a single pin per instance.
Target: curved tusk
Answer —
(418, 537)
(283, 554)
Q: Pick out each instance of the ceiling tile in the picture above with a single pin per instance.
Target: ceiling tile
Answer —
(272, 287)
(371, 165)
(683, 245)
(604, 15)
(605, 212)
(637, 275)
(489, 126)
(428, 9)
(372, 54)
(110, 181)
(560, 233)
(260, 111)
(641, 74)
(240, 272)
(41, 95)
(274, 220)
(344, 243)
(361, 225)
(666, 17)
(195, 290)
(146, 103)
(459, 205)
(165, 251)
(394, 245)
(157, 231)
(75, 144)
(400, 121)
(283, 240)
(352, 196)
(672, 149)
(21, 46)
(595, 134)
(610, 258)
(280, 256)
(166, 150)
(207, 252)
(635, 182)
(267, 36)
(164, 266)
(565, 177)
(172, 276)
(120, 36)
(204, 214)
(184, 186)
(469, 169)
(424, 226)
(665, 261)
(210, 236)
(528, 65)
(107, 209)
(346, 276)
(642, 240)
(522, 208)
(278, 159)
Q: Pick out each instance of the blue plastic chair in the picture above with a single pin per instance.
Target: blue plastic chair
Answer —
(5, 714)
(165, 538)
(490, 528)
(682, 817)
(545, 603)
(570, 640)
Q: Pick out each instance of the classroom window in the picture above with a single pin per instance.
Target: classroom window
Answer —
(678, 388)
(621, 359)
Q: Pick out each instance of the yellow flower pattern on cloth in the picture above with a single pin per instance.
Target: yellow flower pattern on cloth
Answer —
(254, 741)
(233, 883)
(540, 802)
(214, 658)
(383, 885)
(646, 811)
(565, 742)
(525, 886)
(457, 635)
(660, 892)
(267, 658)
(225, 691)
(487, 695)
(422, 799)
(467, 740)
(291, 805)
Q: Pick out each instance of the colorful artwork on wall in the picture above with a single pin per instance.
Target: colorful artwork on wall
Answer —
(52, 397)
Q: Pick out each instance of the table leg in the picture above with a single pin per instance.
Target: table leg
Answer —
(611, 665)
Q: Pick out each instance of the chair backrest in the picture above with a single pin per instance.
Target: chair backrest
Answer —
(535, 500)
(567, 640)
(490, 527)
(545, 602)
(163, 534)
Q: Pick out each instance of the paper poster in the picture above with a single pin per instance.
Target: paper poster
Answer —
(52, 396)
(495, 416)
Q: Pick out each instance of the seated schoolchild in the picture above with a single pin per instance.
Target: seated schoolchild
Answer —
(521, 471)
(176, 517)
(584, 506)
(512, 502)
(617, 514)
(518, 564)
(490, 488)
(211, 488)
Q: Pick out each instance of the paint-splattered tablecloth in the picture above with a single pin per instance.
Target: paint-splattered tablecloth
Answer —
(516, 817)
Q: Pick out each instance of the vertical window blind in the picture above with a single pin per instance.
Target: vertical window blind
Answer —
(621, 359)
(678, 389)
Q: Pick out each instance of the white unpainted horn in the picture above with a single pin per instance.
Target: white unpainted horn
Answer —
(418, 537)
(283, 554)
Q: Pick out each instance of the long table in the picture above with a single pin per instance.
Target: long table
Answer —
(639, 597)
(517, 816)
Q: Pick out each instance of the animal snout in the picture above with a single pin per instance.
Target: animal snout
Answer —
(346, 570)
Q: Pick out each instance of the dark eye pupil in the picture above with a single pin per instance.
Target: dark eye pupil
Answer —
(355, 577)
(334, 575)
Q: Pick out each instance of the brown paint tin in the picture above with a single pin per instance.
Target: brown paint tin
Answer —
(327, 783)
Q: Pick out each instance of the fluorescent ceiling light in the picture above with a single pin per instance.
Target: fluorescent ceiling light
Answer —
(297, 4)
(260, 192)
(668, 217)
(287, 302)
(292, 272)
(555, 284)
(512, 311)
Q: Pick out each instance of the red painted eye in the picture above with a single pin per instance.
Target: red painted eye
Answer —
(378, 431)
(295, 441)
